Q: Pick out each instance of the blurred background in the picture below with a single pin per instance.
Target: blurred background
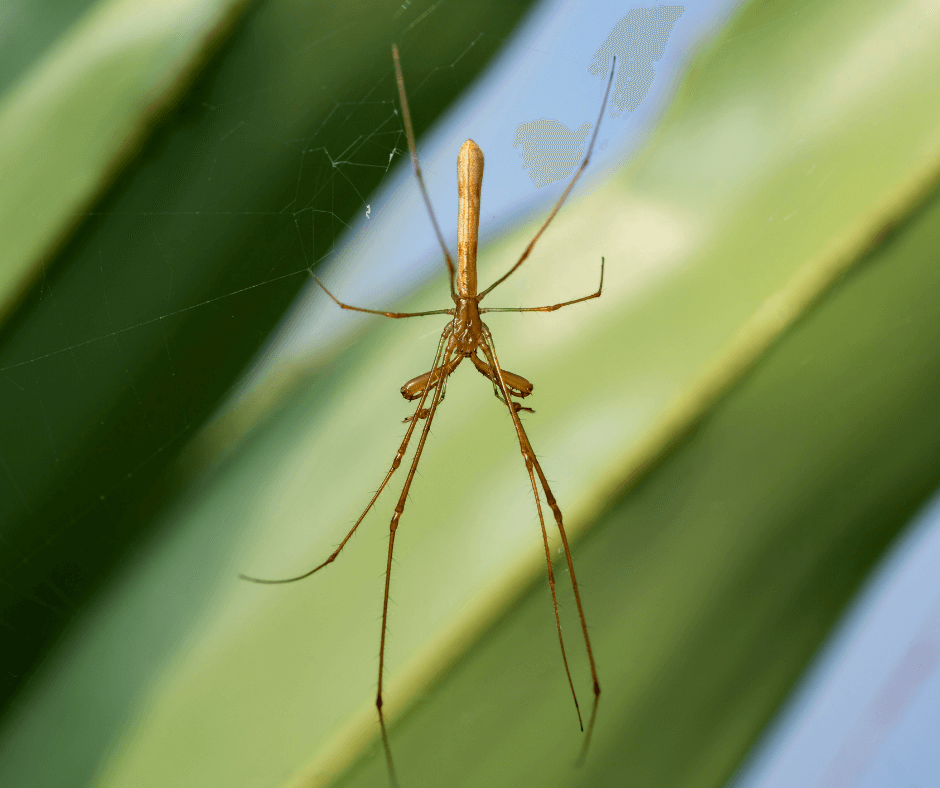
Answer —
(741, 432)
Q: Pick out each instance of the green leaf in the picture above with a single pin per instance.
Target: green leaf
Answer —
(737, 428)
(82, 110)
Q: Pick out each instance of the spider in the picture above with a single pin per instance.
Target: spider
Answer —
(466, 336)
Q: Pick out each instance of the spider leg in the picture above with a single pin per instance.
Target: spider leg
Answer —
(532, 463)
(393, 527)
(395, 463)
(410, 134)
(564, 194)
(379, 311)
(533, 468)
(553, 307)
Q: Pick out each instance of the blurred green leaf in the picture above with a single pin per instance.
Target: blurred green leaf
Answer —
(82, 110)
(743, 431)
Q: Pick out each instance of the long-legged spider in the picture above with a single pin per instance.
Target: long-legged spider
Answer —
(466, 336)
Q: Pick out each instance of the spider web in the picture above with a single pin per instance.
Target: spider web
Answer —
(174, 280)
